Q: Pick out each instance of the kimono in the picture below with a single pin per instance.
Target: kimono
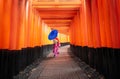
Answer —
(56, 47)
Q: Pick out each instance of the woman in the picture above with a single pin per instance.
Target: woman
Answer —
(56, 46)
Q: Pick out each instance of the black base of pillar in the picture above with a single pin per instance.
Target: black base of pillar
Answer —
(105, 60)
(14, 61)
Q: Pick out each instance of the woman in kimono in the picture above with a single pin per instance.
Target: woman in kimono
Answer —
(56, 45)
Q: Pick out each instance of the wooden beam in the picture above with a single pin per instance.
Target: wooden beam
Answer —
(57, 21)
(57, 5)
(56, 18)
(60, 26)
(55, 15)
(53, 24)
(58, 11)
(34, 3)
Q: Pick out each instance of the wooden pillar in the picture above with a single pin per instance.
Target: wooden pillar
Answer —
(102, 23)
(118, 18)
(114, 24)
(77, 29)
(89, 23)
(14, 25)
(5, 14)
(1, 21)
(95, 24)
(32, 29)
(21, 25)
(27, 24)
(83, 24)
(106, 16)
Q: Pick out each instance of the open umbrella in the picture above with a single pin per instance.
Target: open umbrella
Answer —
(53, 34)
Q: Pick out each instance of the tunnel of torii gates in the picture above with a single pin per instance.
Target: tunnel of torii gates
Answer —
(91, 27)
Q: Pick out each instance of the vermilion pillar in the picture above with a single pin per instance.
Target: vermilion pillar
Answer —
(95, 24)
(88, 22)
(5, 28)
(14, 26)
(114, 24)
(102, 24)
(1, 20)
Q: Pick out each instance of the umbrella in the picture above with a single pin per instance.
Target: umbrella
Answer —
(53, 34)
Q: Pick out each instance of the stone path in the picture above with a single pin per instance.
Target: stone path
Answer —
(61, 67)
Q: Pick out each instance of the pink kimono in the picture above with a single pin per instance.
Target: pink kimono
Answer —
(56, 47)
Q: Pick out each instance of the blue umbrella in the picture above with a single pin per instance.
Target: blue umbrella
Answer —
(53, 34)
